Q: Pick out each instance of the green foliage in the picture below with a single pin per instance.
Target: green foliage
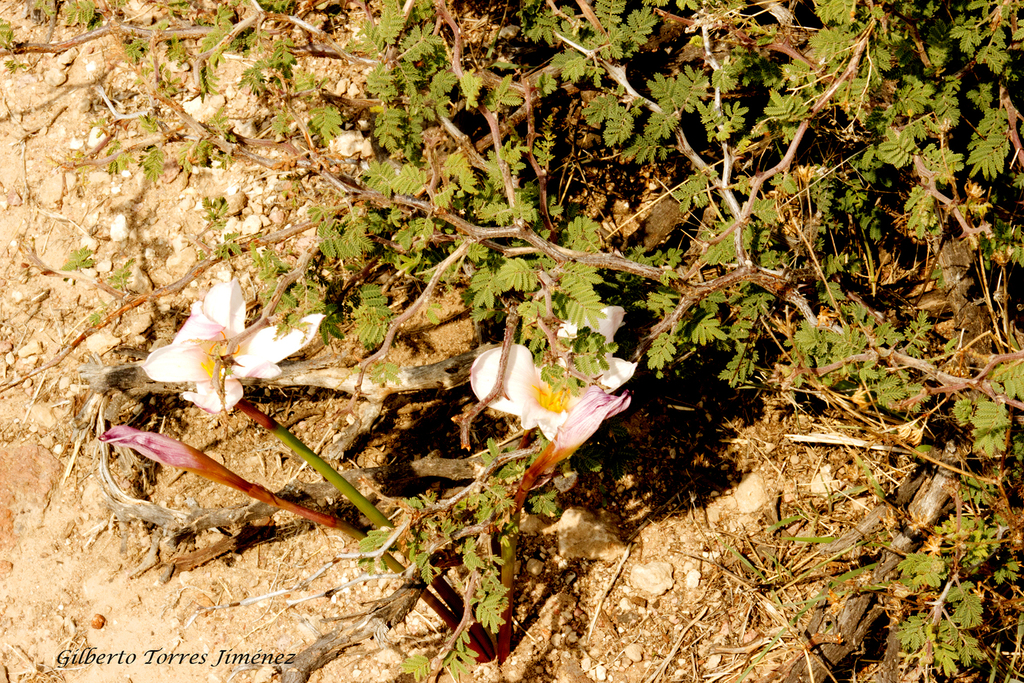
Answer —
(417, 665)
(6, 35)
(119, 278)
(371, 315)
(79, 259)
(153, 163)
(82, 12)
(325, 122)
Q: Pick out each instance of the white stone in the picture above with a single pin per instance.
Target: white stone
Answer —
(140, 323)
(43, 416)
(33, 348)
(534, 566)
(634, 652)
(102, 341)
(67, 57)
(201, 109)
(192, 106)
(692, 578)
(236, 201)
(750, 495)
(182, 259)
(587, 536)
(251, 225)
(533, 524)
(247, 129)
(104, 266)
(348, 143)
(653, 578)
(55, 78)
(119, 228)
(95, 135)
(139, 281)
(600, 672)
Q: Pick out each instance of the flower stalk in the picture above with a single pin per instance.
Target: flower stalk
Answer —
(585, 417)
(339, 482)
(173, 453)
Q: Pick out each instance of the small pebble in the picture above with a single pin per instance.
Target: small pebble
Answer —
(55, 78)
(119, 228)
(33, 348)
(634, 652)
(653, 578)
(601, 673)
(235, 203)
(95, 135)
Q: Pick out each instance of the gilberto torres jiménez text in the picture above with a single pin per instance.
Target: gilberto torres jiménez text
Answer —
(91, 655)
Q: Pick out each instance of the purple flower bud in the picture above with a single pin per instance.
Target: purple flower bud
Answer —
(173, 453)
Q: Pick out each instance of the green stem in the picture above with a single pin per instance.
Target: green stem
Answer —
(339, 482)
(508, 578)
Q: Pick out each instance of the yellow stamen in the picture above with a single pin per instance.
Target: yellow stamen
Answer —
(555, 401)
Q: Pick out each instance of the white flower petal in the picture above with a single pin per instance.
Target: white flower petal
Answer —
(611, 322)
(198, 327)
(536, 415)
(521, 378)
(484, 373)
(224, 304)
(206, 397)
(177, 363)
(618, 373)
(255, 366)
(268, 346)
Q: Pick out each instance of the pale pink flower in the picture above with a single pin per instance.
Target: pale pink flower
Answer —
(583, 419)
(527, 395)
(201, 343)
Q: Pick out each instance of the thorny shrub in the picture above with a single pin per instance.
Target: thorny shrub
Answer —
(845, 189)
